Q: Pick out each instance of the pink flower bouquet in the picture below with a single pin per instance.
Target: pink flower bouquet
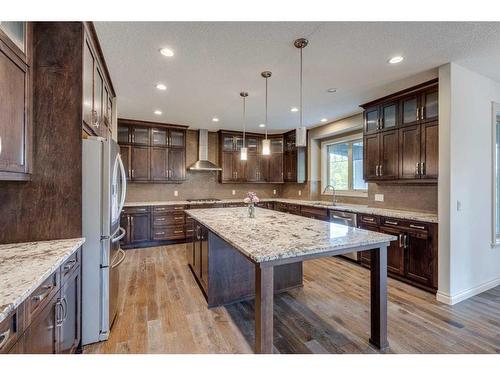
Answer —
(251, 198)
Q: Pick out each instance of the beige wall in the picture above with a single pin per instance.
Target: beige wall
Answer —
(198, 184)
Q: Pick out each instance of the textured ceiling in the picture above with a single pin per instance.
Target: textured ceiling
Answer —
(214, 61)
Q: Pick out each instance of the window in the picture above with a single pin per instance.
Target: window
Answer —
(496, 174)
(344, 166)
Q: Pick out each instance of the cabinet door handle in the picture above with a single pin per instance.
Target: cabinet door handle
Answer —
(160, 233)
(401, 240)
(58, 312)
(133, 175)
(391, 222)
(178, 208)
(380, 170)
(423, 168)
(376, 170)
(417, 226)
(417, 169)
(69, 265)
(418, 111)
(422, 113)
(405, 243)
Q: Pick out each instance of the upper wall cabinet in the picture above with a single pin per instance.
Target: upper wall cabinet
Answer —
(257, 168)
(98, 92)
(15, 101)
(153, 152)
(401, 136)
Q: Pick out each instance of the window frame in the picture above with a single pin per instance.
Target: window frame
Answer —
(495, 117)
(355, 138)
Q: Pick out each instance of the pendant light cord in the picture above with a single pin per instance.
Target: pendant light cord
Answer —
(301, 87)
(266, 107)
(244, 119)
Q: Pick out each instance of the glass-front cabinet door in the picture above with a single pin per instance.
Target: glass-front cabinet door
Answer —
(159, 137)
(238, 142)
(227, 142)
(389, 115)
(140, 135)
(430, 109)
(371, 120)
(123, 134)
(16, 31)
(176, 138)
(410, 110)
(252, 144)
(276, 145)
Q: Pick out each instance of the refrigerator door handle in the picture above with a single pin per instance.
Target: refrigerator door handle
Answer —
(124, 183)
(118, 238)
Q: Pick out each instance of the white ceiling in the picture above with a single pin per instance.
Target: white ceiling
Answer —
(214, 61)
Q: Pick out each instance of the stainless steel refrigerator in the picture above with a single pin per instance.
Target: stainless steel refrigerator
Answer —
(103, 191)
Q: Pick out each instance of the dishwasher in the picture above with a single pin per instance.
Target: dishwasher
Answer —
(345, 218)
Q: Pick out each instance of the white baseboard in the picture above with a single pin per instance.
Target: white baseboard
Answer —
(458, 297)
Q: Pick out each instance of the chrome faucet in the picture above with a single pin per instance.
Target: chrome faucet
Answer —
(334, 200)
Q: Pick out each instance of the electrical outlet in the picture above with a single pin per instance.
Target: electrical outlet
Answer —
(274, 192)
(176, 193)
(234, 192)
(300, 193)
(379, 197)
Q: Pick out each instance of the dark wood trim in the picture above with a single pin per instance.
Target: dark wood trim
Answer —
(400, 93)
(132, 122)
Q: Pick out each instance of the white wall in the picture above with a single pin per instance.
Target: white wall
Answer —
(468, 264)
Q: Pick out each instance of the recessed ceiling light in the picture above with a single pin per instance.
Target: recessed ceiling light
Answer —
(332, 89)
(395, 59)
(167, 52)
(215, 119)
(324, 120)
(262, 125)
(158, 112)
(294, 109)
(161, 86)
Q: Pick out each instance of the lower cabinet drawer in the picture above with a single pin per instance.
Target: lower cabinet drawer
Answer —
(9, 331)
(169, 233)
(173, 219)
(38, 299)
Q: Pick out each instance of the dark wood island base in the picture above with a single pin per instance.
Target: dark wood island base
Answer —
(225, 276)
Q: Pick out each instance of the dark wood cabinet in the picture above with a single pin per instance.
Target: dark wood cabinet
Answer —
(15, 108)
(98, 92)
(140, 163)
(257, 168)
(53, 324)
(401, 136)
(140, 226)
(70, 329)
(294, 159)
(157, 151)
(413, 256)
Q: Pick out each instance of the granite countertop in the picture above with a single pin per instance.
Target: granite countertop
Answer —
(24, 266)
(273, 235)
(356, 208)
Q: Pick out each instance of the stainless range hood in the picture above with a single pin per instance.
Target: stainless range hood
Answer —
(203, 164)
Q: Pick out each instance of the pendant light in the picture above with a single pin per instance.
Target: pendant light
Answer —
(266, 143)
(301, 131)
(244, 150)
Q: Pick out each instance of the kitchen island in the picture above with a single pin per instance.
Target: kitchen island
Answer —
(275, 239)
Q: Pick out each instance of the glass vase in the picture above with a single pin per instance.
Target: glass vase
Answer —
(251, 210)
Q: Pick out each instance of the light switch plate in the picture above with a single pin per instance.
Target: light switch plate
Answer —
(234, 192)
(379, 197)
(176, 193)
(300, 193)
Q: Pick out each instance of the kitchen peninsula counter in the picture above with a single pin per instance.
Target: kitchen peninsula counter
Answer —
(275, 239)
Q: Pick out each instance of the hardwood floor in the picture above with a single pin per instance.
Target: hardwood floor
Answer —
(162, 310)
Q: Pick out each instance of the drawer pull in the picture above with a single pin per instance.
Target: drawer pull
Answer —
(417, 226)
(178, 208)
(160, 209)
(41, 296)
(160, 219)
(178, 231)
(4, 337)
(160, 233)
(370, 219)
(391, 222)
(190, 230)
(68, 266)
(179, 218)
